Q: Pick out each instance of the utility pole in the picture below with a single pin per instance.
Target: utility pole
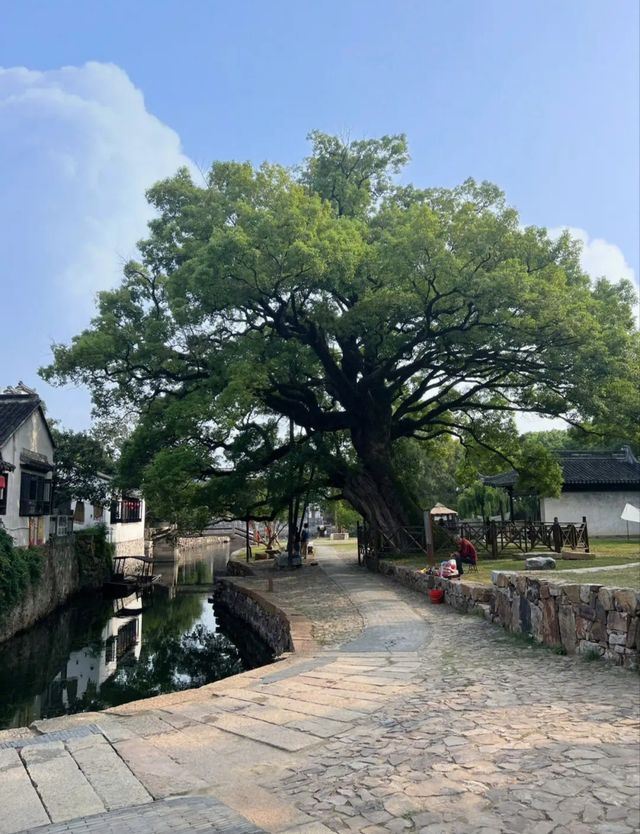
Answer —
(290, 535)
(248, 551)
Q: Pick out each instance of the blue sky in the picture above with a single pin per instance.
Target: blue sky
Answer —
(98, 100)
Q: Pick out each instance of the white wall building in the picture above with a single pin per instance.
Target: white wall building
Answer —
(124, 517)
(26, 467)
(596, 485)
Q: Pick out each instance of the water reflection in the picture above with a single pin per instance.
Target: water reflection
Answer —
(97, 653)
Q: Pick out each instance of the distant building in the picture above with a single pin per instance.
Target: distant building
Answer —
(26, 466)
(123, 515)
(596, 484)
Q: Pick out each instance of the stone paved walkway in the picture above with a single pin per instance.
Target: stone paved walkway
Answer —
(427, 721)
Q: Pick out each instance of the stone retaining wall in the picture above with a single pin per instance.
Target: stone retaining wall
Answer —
(195, 542)
(59, 580)
(583, 619)
(268, 621)
(133, 547)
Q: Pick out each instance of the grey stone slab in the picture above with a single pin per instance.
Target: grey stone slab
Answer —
(311, 708)
(140, 723)
(187, 814)
(160, 775)
(31, 739)
(63, 788)
(20, 806)
(293, 671)
(326, 696)
(109, 776)
(392, 637)
(281, 737)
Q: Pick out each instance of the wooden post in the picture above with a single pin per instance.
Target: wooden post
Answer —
(586, 533)
(557, 535)
(248, 551)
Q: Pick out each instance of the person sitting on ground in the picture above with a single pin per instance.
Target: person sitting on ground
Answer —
(466, 554)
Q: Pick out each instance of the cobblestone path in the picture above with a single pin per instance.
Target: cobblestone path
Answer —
(425, 721)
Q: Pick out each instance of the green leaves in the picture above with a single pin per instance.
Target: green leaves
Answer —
(366, 313)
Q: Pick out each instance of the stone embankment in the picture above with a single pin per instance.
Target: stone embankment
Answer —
(262, 617)
(583, 619)
(62, 577)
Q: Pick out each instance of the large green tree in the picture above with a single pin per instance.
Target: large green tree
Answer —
(364, 312)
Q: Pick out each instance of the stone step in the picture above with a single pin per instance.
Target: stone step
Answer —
(109, 776)
(63, 788)
(19, 801)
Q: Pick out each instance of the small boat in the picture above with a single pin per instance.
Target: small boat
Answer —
(124, 582)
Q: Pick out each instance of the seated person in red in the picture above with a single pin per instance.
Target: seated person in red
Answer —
(466, 554)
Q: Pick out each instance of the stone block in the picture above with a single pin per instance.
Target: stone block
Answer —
(572, 593)
(587, 646)
(533, 590)
(605, 598)
(588, 593)
(633, 633)
(613, 657)
(525, 615)
(544, 590)
(616, 639)
(540, 563)
(583, 628)
(550, 627)
(588, 612)
(535, 613)
(520, 583)
(617, 621)
(501, 580)
(626, 600)
(567, 624)
(599, 632)
(575, 555)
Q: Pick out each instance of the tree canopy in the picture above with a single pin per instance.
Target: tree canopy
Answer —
(82, 467)
(363, 312)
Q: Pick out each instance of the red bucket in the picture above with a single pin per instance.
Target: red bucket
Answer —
(437, 596)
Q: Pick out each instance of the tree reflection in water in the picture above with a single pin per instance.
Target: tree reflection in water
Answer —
(169, 663)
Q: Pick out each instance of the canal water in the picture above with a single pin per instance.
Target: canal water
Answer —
(97, 653)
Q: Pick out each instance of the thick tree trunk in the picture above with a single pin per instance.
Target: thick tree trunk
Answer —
(381, 495)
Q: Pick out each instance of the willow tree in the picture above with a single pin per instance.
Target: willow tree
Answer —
(361, 312)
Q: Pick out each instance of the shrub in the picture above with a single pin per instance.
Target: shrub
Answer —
(93, 551)
(20, 567)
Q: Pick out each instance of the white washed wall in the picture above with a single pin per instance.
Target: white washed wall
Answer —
(602, 509)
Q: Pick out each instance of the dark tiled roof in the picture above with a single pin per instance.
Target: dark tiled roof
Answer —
(585, 468)
(14, 410)
(600, 467)
(504, 479)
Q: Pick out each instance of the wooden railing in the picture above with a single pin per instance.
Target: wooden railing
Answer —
(490, 537)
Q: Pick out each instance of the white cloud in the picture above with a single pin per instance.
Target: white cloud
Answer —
(80, 149)
(599, 257)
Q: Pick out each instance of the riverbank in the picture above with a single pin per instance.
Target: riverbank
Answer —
(424, 720)
(68, 566)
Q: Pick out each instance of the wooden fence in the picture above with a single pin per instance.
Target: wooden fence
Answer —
(490, 537)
